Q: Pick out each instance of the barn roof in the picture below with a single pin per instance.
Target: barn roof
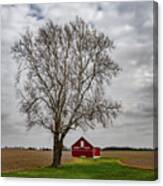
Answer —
(82, 138)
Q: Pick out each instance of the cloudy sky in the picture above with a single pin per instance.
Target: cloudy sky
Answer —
(130, 26)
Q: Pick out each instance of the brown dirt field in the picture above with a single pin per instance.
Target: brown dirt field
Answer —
(138, 159)
(14, 159)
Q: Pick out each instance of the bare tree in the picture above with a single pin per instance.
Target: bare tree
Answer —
(62, 72)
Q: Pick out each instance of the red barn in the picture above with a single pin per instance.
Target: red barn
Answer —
(83, 148)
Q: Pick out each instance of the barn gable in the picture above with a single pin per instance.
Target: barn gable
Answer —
(82, 142)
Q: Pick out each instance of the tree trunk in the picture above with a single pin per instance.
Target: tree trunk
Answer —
(60, 154)
(57, 151)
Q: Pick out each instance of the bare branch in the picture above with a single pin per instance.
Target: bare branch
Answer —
(62, 72)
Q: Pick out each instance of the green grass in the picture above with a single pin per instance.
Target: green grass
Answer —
(83, 168)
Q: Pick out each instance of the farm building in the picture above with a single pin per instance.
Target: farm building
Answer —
(83, 148)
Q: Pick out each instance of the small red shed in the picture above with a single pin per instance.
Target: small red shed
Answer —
(83, 148)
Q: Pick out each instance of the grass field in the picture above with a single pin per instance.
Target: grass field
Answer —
(132, 165)
(83, 168)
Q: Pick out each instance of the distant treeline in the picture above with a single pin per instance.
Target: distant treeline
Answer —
(68, 149)
(27, 148)
(128, 148)
(32, 148)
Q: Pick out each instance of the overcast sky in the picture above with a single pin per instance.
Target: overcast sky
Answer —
(130, 26)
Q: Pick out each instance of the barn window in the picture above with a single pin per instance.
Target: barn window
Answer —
(82, 144)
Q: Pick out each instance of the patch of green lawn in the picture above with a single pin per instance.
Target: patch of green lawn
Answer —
(84, 168)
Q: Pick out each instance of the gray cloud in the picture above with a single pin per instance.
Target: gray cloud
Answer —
(35, 11)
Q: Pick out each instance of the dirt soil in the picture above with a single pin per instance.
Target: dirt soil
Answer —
(15, 159)
(138, 159)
